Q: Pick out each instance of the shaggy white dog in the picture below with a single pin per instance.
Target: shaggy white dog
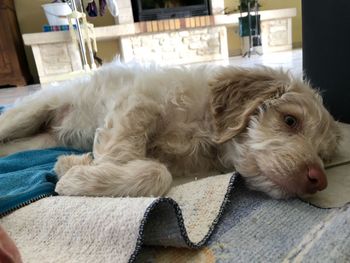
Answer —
(147, 124)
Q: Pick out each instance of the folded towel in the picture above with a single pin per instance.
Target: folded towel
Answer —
(28, 176)
(102, 229)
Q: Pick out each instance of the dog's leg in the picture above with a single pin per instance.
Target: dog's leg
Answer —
(135, 178)
(40, 141)
(121, 167)
(129, 134)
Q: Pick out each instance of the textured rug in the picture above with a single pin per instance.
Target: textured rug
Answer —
(253, 227)
(82, 229)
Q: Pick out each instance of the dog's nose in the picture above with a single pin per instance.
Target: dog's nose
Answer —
(317, 179)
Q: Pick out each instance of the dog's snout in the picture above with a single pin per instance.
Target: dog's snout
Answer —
(317, 180)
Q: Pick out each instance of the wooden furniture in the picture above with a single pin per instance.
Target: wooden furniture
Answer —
(13, 63)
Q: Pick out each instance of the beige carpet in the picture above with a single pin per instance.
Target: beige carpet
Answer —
(82, 229)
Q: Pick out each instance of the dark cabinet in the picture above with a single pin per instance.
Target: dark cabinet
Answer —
(13, 63)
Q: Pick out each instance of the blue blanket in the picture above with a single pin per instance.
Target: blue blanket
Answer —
(28, 176)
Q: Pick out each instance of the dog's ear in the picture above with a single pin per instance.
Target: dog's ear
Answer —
(237, 93)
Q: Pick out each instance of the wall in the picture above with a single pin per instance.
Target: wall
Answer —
(31, 18)
(296, 21)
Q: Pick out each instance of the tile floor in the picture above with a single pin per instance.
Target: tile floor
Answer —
(9, 95)
(291, 60)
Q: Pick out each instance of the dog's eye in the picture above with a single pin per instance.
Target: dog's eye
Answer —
(291, 121)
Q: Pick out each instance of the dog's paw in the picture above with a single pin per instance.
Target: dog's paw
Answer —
(66, 162)
(75, 182)
(64, 186)
(72, 183)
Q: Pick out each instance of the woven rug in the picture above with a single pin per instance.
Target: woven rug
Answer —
(217, 217)
(82, 229)
(255, 228)
(252, 228)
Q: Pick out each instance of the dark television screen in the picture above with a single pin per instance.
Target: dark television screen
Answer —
(154, 4)
(145, 10)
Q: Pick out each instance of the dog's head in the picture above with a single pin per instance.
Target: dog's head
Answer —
(274, 129)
